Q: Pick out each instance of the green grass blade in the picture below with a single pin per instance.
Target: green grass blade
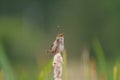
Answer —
(101, 59)
(6, 67)
(46, 70)
(64, 65)
(115, 73)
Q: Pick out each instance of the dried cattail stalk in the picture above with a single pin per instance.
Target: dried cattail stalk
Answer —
(57, 66)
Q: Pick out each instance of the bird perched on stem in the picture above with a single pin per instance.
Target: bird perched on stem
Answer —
(58, 45)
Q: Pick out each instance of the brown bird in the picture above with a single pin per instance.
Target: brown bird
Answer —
(58, 44)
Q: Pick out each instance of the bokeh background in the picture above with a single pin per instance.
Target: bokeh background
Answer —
(92, 38)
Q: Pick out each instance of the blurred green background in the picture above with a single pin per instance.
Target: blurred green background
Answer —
(28, 28)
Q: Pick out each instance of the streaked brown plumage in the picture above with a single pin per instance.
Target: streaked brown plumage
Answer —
(58, 44)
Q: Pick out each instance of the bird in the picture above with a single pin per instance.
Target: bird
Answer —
(58, 45)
